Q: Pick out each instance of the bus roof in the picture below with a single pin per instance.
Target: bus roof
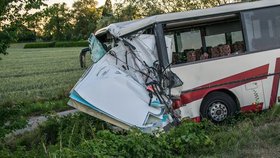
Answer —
(124, 28)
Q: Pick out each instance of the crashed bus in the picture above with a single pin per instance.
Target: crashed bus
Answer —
(211, 63)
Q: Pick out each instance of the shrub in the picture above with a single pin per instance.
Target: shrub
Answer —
(26, 35)
(15, 117)
(72, 44)
(56, 44)
(4, 42)
(10, 119)
(40, 45)
(81, 135)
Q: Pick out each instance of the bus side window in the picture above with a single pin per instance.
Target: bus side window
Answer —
(207, 40)
(262, 27)
(224, 39)
(188, 45)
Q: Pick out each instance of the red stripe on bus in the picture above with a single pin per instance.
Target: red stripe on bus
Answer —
(196, 119)
(252, 108)
(199, 94)
(275, 84)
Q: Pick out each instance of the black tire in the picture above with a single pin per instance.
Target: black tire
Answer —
(83, 57)
(217, 106)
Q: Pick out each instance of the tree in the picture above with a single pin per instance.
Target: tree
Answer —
(86, 16)
(4, 42)
(24, 34)
(107, 8)
(58, 26)
(127, 10)
(134, 9)
(12, 14)
(34, 23)
(107, 15)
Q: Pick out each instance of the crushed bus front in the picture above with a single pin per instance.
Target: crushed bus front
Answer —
(129, 85)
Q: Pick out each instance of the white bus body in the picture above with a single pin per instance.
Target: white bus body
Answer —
(249, 78)
(227, 57)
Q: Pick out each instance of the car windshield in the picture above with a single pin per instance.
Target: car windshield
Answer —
(96, 49)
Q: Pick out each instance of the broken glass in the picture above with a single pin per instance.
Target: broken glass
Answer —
(96, 49)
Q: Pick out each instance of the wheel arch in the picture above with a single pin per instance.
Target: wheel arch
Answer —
(224, 90)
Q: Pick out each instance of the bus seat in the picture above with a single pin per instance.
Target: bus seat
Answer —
(214, 51)
(191, 56)
(198, 53)
(204, 56)
(175, 58)
(224, 50)
(238, 47)
(234, 47)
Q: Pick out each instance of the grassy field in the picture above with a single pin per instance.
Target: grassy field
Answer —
(35, 82)
(30, 75)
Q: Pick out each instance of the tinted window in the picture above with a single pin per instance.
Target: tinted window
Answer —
(223, 39)
(262, 28)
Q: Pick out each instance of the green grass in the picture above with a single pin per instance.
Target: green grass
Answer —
(30, 75)
(15, 117)
(35, 82)
(80, 135)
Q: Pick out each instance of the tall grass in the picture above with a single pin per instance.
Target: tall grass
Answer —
(247, 135)
(16, 116)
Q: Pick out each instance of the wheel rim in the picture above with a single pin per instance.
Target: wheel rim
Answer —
(218, 111)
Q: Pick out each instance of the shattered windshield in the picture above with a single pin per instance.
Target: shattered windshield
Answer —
(96, 49)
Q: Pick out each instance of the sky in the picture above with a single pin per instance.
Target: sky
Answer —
(70, 2)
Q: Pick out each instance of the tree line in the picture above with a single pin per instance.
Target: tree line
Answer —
(31, 20)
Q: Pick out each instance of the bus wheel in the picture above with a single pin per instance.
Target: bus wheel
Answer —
(217, 106)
